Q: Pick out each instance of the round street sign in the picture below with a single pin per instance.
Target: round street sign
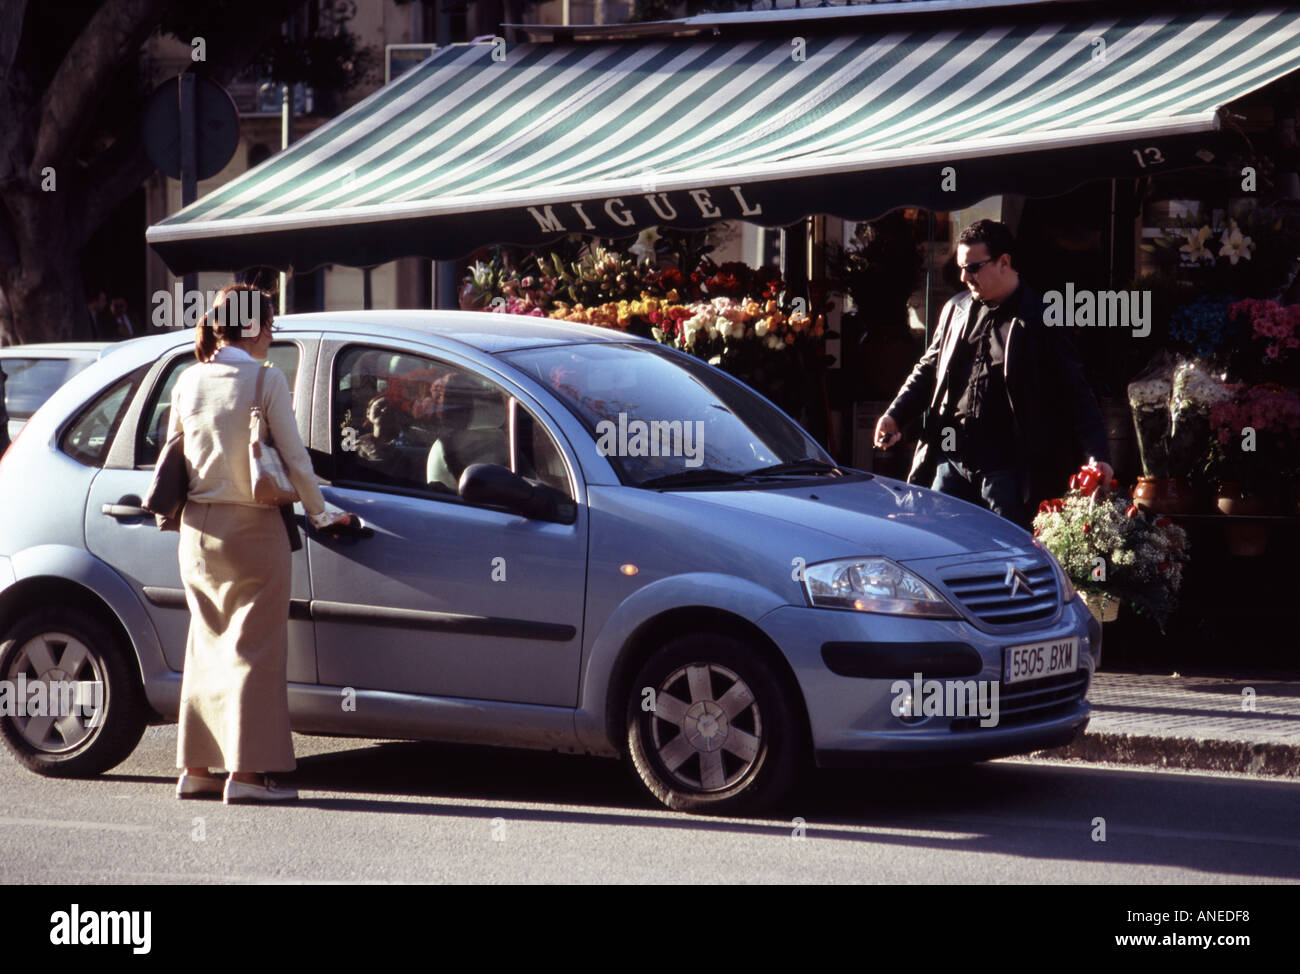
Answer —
(216, 129)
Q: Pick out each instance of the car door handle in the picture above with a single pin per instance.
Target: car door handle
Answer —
(124, 510)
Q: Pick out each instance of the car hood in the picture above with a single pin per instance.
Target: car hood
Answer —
(878, 516)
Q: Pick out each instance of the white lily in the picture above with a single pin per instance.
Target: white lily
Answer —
(1235, 246)
(1195, 246)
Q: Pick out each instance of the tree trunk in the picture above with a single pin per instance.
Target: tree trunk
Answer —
(43, 287)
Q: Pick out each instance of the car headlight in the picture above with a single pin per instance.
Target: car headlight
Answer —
(873, 585)
(1067, 587)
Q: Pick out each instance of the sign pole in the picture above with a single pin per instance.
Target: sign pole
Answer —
(189, 157)
(286, 137)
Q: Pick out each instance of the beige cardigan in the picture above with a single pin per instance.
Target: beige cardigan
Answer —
(211, 403)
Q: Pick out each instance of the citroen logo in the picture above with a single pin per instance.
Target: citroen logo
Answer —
(1017, 581)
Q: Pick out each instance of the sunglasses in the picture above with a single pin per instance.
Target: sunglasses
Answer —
(974, 267)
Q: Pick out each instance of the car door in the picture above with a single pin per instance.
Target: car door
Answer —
(123, 535)
(444, 598)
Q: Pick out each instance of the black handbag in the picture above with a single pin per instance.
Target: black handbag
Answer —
(170, 487)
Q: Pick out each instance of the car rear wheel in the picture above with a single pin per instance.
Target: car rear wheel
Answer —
(710, 727)
(75, 707)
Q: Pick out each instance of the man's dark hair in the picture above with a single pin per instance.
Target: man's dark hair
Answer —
(997, 237)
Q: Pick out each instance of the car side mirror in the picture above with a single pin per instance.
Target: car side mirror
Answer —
(498, 486)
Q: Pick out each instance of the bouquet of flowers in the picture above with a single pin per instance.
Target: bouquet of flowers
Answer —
(1274, 330)
(1148, 397)
(1206, 325)
(1112, 550)
(1255, 436)
(1196, 389)
(1171, 401)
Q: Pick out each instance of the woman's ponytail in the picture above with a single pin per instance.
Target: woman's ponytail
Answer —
(224, 322)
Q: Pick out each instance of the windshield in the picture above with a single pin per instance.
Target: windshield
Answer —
(660, 416)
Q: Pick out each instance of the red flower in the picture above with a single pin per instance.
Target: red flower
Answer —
(1132, 511)
(1087, 480)
(1051, 507)
(1162, 522)
(1086, 527)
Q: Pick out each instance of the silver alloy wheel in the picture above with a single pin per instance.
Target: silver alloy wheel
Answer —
(61, 661)
(720, 727)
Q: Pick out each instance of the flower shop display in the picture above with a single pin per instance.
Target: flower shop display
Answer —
(1112, 551)
(1172, 400)
(1254, 447)
(1274, 337)
(743, 320)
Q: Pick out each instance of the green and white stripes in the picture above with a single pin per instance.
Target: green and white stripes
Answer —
(553, 124)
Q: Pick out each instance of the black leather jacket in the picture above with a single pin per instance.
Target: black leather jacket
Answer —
(1057, 423)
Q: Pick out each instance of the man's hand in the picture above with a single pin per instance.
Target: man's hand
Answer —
(887, 433)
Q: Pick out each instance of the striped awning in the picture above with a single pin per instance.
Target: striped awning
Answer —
(491, 144)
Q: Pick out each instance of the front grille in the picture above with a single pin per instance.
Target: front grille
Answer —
(983, 590)
(1032, 702)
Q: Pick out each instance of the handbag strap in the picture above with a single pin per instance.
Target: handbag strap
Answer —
(261, 384)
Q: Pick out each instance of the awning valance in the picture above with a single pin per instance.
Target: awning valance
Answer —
(486, 144)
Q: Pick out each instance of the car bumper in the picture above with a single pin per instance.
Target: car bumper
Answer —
(852, 669)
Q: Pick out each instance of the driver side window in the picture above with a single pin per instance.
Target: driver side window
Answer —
(412, 423)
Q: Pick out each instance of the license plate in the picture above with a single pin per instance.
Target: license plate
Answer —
(1034, 661)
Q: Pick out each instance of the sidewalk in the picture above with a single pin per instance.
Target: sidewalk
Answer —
(1191, 722)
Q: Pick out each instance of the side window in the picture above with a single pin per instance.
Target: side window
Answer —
(90, 435)
(157, 412)
(413, 423)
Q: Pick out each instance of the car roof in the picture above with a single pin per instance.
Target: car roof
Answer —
(482, 330)
(56, 350)
(478, 332)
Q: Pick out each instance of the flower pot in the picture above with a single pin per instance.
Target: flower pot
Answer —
(1165, 495)
(1243, 540)
(1104, 608)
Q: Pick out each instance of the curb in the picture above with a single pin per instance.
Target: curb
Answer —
(1280, 760)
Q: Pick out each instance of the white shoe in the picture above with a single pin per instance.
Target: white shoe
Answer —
(245, 793)
(197, 786)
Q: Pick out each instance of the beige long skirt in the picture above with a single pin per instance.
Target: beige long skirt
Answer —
(235, 564)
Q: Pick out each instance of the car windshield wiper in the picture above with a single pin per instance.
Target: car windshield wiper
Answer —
(690, 478)
(805, 465)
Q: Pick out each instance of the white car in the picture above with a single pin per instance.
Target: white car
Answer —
(33, 372)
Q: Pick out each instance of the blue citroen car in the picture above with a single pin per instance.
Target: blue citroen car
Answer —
(573, 540)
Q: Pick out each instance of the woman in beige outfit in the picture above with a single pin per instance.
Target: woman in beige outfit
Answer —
(234, 558)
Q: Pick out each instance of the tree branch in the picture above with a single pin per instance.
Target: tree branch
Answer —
(113, 35)
(12, 13)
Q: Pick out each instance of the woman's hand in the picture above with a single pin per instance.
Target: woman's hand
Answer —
(335, 522)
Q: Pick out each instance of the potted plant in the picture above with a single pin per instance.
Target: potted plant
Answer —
(1113, 553)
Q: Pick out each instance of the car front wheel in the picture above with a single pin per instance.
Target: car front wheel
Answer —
(74, 706)
(710, 727)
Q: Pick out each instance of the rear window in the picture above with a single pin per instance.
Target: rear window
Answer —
(90, 435)
(31, 381)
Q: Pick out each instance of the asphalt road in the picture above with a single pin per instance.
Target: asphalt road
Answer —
(374, 811)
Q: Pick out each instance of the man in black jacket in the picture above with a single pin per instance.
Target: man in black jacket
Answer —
(1011, 416)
